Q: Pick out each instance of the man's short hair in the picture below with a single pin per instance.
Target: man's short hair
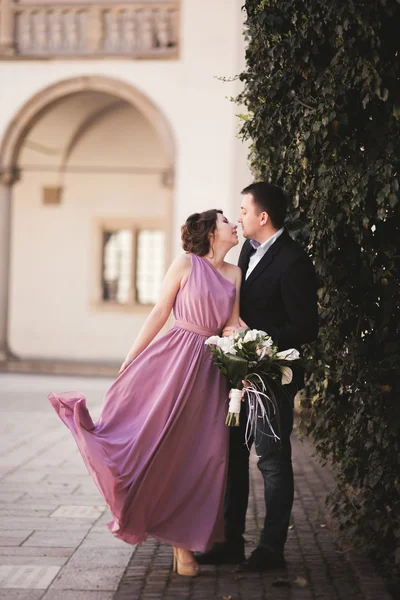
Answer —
(271, 199)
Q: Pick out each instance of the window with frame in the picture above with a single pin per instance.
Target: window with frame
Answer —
(133, 263)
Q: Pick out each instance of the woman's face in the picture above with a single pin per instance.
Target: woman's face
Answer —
(226, 232)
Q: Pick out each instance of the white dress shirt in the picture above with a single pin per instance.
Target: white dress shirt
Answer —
(261, 249)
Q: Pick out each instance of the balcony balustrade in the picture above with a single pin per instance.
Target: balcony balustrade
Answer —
(89, 30)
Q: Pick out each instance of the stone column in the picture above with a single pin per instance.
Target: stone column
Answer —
(7, 179)
(6, 28)
(94, 30)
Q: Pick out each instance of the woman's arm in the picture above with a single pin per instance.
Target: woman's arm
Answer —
(233, 323)
(174, 278)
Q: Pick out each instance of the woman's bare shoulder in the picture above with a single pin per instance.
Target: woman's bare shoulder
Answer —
(234, 269)
(233, 272)
(182, 263)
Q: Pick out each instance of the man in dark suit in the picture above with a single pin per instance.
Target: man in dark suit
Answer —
(279, 296)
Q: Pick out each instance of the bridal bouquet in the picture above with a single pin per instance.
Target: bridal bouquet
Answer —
(252, 357)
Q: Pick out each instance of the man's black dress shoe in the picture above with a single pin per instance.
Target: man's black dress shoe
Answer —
(263, 559)
(225, 553)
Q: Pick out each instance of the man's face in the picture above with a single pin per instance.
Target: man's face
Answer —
(251, 218)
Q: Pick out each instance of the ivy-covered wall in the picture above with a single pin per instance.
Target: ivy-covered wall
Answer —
(322, 91)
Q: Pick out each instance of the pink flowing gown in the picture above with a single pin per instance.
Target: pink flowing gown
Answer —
(158, 452)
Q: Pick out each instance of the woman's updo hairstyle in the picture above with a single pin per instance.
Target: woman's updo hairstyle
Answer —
(196, 231)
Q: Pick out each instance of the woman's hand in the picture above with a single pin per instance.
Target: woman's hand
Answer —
(125, 364)
(243, 324)
(239, 327)
(229, 329)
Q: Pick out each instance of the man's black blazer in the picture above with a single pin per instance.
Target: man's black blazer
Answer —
(280, 294)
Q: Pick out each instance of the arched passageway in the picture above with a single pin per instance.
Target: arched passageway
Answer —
(87, 173)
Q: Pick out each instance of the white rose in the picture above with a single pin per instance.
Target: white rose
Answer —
(262, 333)
(212, 341)
(250, 336)
(291, 354)
(267, 342)
(226, 345)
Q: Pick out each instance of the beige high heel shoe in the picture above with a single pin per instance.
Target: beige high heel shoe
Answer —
(187, 569)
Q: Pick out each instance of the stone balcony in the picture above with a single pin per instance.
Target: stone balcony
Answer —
(46, 30)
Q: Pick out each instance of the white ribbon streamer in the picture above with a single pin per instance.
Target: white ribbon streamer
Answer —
(259, 409)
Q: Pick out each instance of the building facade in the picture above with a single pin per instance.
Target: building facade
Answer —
(114, 127)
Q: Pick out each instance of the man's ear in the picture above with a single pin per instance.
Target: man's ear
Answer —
(264, 218)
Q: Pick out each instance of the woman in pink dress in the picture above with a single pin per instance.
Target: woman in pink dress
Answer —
(158, 452)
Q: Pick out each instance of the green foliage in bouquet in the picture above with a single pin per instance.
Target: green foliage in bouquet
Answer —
(322, 111)
(236, 368)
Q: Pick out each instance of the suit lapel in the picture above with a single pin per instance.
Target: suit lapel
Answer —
(265, 261)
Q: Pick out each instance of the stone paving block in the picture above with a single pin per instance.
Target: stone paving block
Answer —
(37, 443)
(36, 551)
(40, 488)
(67, 480)
(103, 539)
(13, 459)
(44, 561)
(4, 470)
(90, 558)
(76, 511)
(9, 497)
(27, 576)
(72, 461)
(17, 533)
(44, 524)
(26, 503)
(21, 594)
(12, 540)
(56, 539)
(299, 594)
(88, 487)
(49, 461)
(87, 595)
(101, 523)
(25, 476)
(55, 500)
(16, 510)
(105, 579)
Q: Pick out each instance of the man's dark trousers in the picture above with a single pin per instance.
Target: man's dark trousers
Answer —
(275, 465)
(279, 297)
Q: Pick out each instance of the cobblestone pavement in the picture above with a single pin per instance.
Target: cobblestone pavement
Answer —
(54, 544)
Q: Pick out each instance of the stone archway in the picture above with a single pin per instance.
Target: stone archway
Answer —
(13, 139)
